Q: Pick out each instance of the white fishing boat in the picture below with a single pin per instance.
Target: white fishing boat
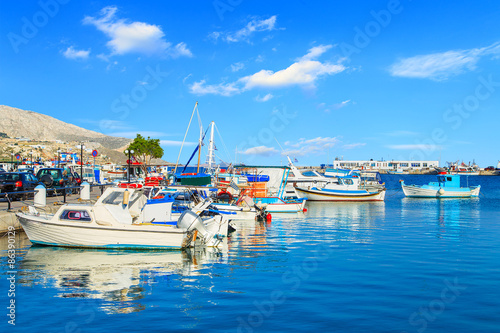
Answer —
(346, 188)
(121, 218)
(185, 197)
(266, 189)
(447, 186)
(456, 168)
(398, 171)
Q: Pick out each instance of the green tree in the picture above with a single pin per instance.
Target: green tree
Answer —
(145, 150)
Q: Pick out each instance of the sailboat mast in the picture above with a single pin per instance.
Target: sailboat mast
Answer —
(180, 151)
(199, 149)
(211, 147)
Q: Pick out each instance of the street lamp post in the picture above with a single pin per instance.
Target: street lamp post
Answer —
(128, 162)
(81, 160)
(58, 156)
(12, 161)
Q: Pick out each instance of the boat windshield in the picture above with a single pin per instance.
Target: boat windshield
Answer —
(114, 198)
(136, 196)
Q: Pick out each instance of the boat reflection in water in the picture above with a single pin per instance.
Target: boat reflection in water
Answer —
(118, 279)
(450, 216)
(347, 218)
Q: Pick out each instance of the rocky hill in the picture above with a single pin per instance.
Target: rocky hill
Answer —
(20, 123)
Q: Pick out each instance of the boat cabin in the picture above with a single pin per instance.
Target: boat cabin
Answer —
(447, 180)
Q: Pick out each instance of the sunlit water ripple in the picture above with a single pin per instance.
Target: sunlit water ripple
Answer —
(403, 265)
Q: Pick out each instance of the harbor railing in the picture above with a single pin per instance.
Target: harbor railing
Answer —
(11, 197)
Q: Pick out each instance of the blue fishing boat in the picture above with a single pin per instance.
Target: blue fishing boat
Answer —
(447, 186)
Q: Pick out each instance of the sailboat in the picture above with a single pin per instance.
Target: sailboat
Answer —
(192, 178)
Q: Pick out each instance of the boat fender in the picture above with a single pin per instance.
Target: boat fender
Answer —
(269, 217)
(441, 191)
(304, 210)
(126, 197)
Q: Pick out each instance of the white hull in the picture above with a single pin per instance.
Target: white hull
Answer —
(233, 212)
(419, 192)
(465, 173)
(286, 207)
(318, 195)
(78, 234)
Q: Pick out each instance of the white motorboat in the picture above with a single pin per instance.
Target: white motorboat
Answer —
(121, 218)
(346, 188)
(303, 179)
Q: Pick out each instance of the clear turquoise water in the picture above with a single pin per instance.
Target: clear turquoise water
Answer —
(403, 265)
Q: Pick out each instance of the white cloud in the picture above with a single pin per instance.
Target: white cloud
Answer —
(401, 133)
(264, 99)
(72, 53)
(134, 37)
(424, 147)
(176, 143)
(223, 89)
(305, 72)
(315, 52)
(341, 104)
(260, 150)
(440, 66)
(310, 146)
(353, 145)
(244, 34)
(237, 66)
(180, 50)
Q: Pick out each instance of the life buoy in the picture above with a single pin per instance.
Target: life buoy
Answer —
(225, 196)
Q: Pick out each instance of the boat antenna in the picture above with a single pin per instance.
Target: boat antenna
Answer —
(180, 151)
(279, 144)
(283, 151)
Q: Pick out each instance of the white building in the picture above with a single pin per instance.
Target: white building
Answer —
(385, 165)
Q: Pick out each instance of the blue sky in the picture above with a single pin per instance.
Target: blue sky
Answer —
(359, 80)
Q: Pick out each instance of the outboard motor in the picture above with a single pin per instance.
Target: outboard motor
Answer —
(190, 221)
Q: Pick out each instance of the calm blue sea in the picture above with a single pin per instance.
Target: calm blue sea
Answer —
(403, 265)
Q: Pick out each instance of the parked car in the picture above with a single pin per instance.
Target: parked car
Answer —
(25, 168)
(56, 178)
(18, 182)
(490, 168)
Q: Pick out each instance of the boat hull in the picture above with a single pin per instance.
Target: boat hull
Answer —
(414, 191)
(233, 212)
(45, 232)
(289, 207)
(321, 195)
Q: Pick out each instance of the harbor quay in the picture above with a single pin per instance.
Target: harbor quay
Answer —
(8, 216)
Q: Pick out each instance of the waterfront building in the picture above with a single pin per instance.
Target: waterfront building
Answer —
(384, 165)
